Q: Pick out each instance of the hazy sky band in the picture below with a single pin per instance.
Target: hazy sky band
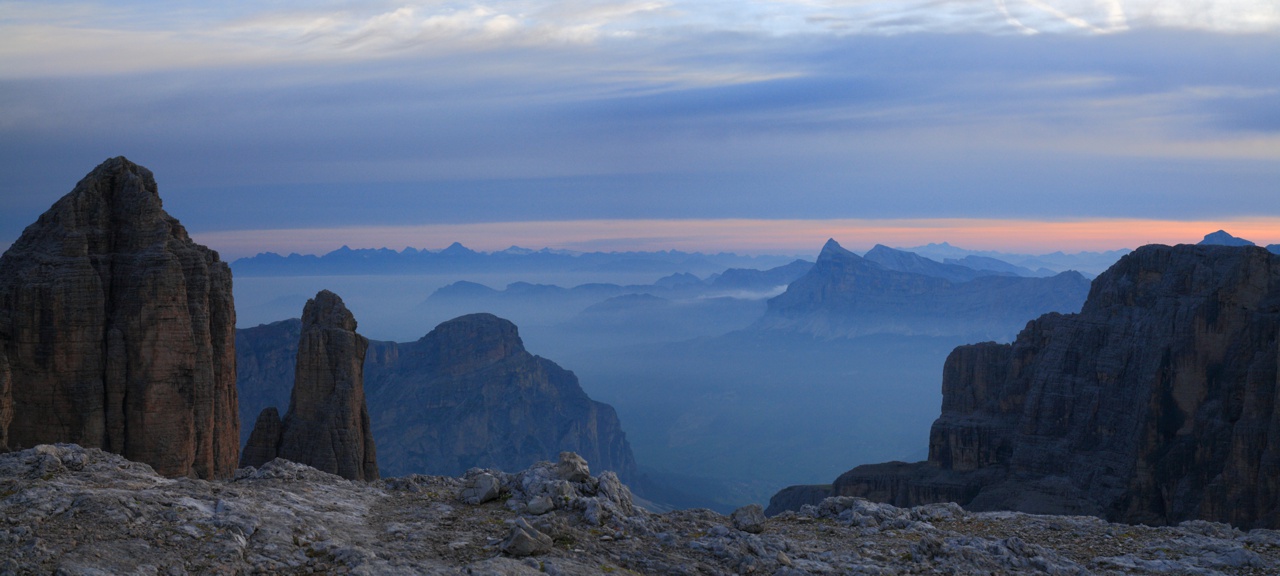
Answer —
(361, 115)
(798, 237)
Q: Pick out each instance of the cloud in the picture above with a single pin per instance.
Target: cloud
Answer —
(40, 39)
(310, 115)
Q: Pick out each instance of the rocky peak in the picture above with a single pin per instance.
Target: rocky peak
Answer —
(327, 425)
(468, 343)
(845, 295)
(1222, 238)
(119, 330)
(832, 250)
(327, 311)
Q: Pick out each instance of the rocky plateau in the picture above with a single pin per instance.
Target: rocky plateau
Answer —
(72, 510)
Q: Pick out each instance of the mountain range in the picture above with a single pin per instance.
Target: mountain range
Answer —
(890, 291)
(457, 258)
(1155, 404)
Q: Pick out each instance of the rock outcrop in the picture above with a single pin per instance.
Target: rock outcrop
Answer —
(327, 425)
(1157, 403)
(845, 295)
(70, 510)
(465, 395)
(468, 395)
(119, 331)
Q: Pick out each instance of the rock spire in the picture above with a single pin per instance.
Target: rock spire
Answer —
(117, 331)
(327, 425)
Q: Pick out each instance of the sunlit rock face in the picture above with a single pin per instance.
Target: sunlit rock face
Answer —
(1157, 403)
(117, 331)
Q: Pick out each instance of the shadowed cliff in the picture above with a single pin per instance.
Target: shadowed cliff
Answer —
(1155, 404)
(117, 331)
(467, 394)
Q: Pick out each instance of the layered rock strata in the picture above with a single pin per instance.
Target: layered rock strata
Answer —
(119, 331)
(327, 425)
(1156, 404)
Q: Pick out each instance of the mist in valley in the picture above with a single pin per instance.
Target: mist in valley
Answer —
(719, 412)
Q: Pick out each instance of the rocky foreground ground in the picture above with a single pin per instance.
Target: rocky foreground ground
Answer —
(70, 510)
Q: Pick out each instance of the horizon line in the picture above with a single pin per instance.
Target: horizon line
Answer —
(748, 236)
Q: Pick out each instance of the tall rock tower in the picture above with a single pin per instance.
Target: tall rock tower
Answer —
(327, 425)
(117, 331)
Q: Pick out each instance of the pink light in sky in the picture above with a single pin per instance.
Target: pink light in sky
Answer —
(747, 236)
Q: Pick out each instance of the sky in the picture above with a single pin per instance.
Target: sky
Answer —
(747, 125)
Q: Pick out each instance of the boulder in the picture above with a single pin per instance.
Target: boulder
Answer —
(119, 330)
(749, 518)
(525, 540)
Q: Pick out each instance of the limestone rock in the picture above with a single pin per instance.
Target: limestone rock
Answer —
(749, 518)
(264, 441)
(119, 330)
(572, 468)
(525, 540)
(482, 488)
(73, 510)
(1157, 403)
(327, 425)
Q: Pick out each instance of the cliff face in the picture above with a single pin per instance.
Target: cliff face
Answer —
(119, 330)
(1157, 403)
(327, 425)
(845, 295)
(265, 361)
(467, 394)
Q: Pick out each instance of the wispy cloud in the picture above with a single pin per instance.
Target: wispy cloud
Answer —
(359, 112)
(41, 38)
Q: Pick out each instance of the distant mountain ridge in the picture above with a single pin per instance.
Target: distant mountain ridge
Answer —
(1223, 238)
(845, 295)
(1088, 263)
(459, 258)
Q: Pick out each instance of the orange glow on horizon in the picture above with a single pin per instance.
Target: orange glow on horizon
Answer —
(749, 236)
